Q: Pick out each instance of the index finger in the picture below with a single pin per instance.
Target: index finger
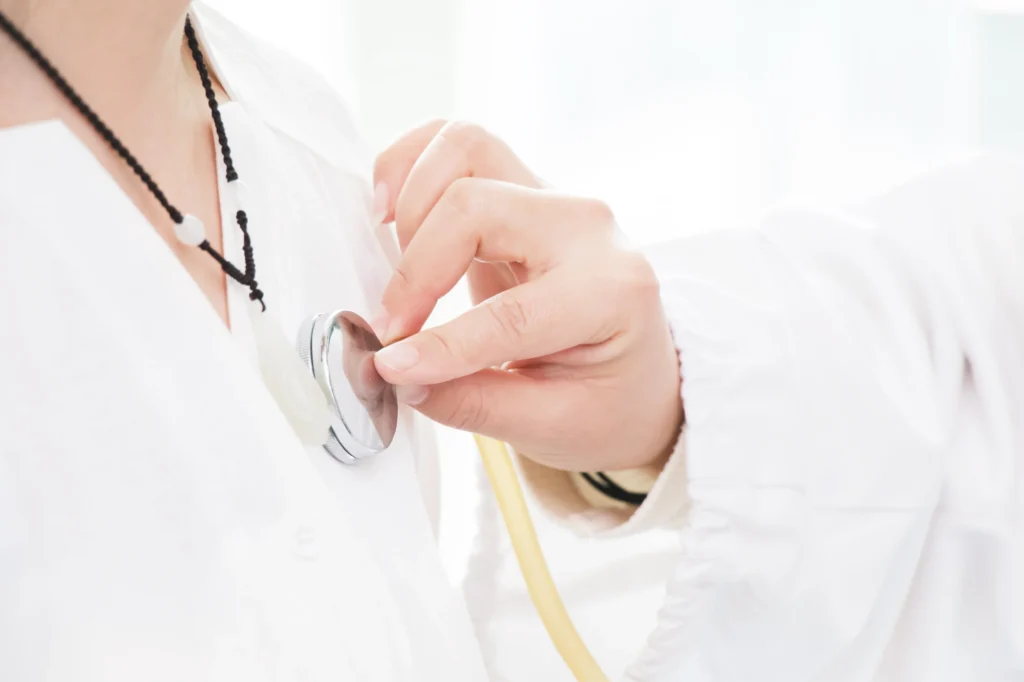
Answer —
(458, 150)
(544, 316)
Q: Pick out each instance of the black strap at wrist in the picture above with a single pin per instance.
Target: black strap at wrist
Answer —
(610, 488)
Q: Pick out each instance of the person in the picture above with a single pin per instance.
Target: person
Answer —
(845, 477)
(848, 482)
(160, 517)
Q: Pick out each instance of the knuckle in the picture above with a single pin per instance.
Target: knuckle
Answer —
(636, 276)
(470, 138)
(469, 410)
(398, 152)
(443, 345)
(510, 316)
(406, 287)
(402, 278)
(598, 214)
(460, 197)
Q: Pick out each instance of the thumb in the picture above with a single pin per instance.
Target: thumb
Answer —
(508, 406)
(393, 165)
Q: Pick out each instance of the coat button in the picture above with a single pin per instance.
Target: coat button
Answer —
(304, 544)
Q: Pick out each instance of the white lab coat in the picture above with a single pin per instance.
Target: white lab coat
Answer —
(847, 488)
(159, 520)
(853, 458)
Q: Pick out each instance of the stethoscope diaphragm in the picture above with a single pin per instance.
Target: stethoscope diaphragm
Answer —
(338, 350)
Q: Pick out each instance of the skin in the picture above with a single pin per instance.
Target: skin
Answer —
(128, 61)
(567, 355)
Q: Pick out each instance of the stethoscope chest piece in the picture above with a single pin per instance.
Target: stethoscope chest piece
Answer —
(338, 350)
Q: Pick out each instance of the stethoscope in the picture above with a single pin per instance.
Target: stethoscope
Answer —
(338, 349)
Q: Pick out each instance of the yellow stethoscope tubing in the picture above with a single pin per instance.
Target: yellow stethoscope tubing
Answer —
(539, 583)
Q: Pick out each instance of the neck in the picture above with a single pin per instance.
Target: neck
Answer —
(124, 57)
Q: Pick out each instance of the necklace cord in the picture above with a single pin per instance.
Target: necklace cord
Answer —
(246, 278)
(94, 120)
(211, 99)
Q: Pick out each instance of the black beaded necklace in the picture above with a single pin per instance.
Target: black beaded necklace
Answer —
(187, 228)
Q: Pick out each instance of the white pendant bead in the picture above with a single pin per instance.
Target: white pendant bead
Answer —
(190, 231)
(239, 195)
(296, 392)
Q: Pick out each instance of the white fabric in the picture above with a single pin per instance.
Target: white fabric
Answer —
(571, 502)
(854, 387)
(159, 520)
(850, 498)
(849, 481)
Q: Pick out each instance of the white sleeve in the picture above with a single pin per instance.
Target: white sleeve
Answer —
(823, 355)
(853, 386)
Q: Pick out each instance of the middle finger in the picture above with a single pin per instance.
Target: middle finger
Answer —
(475, 220)
(459, 150)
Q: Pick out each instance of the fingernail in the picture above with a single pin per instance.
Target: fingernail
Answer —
(399, 357)
(379, 324)
(380, 203)
(412, 395)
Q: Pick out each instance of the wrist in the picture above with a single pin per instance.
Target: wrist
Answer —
(674, 418)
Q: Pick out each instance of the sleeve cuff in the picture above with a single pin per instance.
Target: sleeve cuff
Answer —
(572, 502)
(717, 337)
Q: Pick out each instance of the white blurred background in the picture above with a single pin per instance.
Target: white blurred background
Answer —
(684, 115)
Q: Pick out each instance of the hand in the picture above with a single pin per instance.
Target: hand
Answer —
(567, 354)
